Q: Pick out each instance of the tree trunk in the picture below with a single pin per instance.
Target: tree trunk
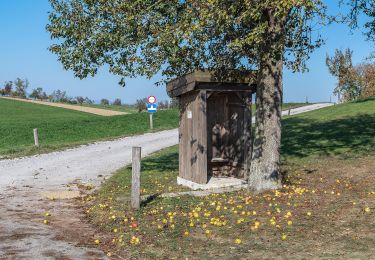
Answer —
(265, 162)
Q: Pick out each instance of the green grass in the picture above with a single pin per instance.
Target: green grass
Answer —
(287, 106)
(165, 161)
(59, 128)
(329, 155)
(284, 107)
(345, 130)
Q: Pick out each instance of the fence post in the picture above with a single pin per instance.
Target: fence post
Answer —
(136, 177)
(151, 122)
(36, 139)
(289, 112)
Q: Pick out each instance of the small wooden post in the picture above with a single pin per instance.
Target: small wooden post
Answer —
(151, 122)
(36, 139)
(289, 112)
(136, 177)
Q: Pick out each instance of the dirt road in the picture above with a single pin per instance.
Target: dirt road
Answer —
(26, 184)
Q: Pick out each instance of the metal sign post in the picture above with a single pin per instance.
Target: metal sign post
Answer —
(151, 122)
(151, 108)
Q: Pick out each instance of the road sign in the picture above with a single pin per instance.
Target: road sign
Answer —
(151, 108)
(151, 99)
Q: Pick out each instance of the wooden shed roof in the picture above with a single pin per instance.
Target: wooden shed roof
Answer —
(207, 80)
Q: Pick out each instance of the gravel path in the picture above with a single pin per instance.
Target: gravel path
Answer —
(25, 184)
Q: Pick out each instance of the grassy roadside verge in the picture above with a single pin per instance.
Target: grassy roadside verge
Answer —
(326, 208)
(61, 128)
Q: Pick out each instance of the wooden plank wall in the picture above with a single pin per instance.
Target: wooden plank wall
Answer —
(219, 129)
(193, 144)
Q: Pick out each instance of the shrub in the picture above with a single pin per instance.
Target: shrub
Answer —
(37, 93)
(80, 100)
(117, 102)
(104, 102)
(8, 88)
(88, 101)
(140, 104)
(163, 104)
(174, 103)
(44, 96)
(21, 86)
(59, 96)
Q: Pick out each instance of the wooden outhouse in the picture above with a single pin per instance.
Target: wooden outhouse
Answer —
(215, 124)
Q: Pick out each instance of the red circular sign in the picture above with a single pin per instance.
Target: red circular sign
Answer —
(151, 99)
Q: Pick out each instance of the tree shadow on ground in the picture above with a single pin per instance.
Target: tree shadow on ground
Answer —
(163, 162)
(302, 137)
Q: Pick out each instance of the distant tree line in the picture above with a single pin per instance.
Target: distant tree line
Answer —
(15, 88)
(18, 88)
(353, 81)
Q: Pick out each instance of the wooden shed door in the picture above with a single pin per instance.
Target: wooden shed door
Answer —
(217, 125)
(225, 134)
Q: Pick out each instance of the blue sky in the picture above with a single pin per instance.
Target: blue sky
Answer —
(23, 53)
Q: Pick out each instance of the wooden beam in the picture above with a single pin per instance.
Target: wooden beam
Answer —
(36, 137)
(220, 86)
(236, 81)
(201, 148)
(136, 178)
(247, 136)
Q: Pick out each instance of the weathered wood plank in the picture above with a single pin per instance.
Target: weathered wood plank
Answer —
(238, 81)
(136, 178)
(247, 136)
(201, 136)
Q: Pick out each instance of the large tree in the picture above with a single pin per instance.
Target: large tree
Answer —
(20, 87)
(175, 37)
(341, 66)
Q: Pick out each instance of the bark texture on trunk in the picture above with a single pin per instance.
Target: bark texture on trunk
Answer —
(265, 162)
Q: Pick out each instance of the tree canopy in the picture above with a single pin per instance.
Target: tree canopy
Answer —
(366, 7)
(142, 38)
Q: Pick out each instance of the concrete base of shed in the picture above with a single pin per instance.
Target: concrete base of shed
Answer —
(213, 183)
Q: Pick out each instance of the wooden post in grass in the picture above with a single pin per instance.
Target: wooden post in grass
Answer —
(136, 178)
(289, 112)
(36, 139)
(151, 122)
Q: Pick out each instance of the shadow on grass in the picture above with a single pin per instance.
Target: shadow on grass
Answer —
(162, 162)
(303, 137)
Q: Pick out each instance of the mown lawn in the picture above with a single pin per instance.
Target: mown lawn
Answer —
(59, 128)
(325, 209)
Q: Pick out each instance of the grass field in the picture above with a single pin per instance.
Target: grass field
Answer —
(325, 210)
(59, 128)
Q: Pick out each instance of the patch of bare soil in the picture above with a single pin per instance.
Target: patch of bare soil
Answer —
(23, 235)
(342, 224)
